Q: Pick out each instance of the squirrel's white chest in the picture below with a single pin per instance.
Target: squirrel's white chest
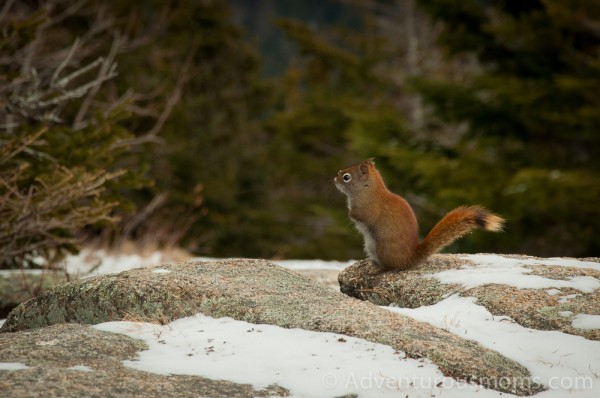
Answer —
(370, 245)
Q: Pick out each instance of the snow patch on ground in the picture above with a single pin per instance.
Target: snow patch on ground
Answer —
(13, 366)
(309, 364)
(565, 314)
(81, 368)
(313, 264)
(161, 271)
(10, 272)
(314, 364)
(299, 264)
(494, 269)
(585, 321)
(90, 262)
(566, 364)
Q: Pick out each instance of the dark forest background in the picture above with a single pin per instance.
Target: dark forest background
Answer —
(218, 126)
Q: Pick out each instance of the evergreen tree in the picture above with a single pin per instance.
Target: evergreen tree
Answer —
(329, 96)
(532, 116)
(215, 159)
(347, 98)
(509, 121)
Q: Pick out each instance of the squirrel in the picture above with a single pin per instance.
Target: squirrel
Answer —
(389, 225)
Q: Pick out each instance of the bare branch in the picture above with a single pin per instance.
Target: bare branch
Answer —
(144, 139)
(57, 19)
(106, 69)
(66, 80)
(142, 215)
(174, 98)
(5, 9)
(31, 49)
(79, 91)
(63, 64)
(37, 218)
(41, 213)
(121, 101)
(182, 80)
(27, 142)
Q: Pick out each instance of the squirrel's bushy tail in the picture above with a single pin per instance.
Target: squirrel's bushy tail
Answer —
(455, 224)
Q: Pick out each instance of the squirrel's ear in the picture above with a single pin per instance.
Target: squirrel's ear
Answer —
(364, 166)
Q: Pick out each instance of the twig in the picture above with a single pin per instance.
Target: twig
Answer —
(5, 9)
(176, 95)
(104, 71)
(119, 101)
(25, 144)
(151, 135)
(63, 64)
(154, 204)
(78, 92)
(9, 126)
(183, 78)
(66, 80)
(32, 47)
(67, 13)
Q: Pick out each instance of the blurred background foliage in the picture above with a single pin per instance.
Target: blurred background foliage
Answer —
(218, 125)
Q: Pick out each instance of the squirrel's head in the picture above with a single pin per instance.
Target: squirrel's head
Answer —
(356, 178)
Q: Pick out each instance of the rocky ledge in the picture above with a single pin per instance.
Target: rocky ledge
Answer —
(262, 293)
(535, 307)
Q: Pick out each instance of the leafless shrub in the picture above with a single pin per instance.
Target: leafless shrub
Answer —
(48, 89)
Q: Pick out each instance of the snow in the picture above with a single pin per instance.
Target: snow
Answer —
(567, 364)
(13, 366)
(312, 364)
(567, 297)
(313, 264)
(95, 262)
(81, 368)
(300, 264)
(494, 269)
(9, 272)
(161, 271)
(585, 321)
(554, 261)
(565, 314)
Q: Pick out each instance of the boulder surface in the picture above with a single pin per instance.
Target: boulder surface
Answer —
(263, 293)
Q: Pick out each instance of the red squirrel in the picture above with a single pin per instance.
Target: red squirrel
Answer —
(389, 225)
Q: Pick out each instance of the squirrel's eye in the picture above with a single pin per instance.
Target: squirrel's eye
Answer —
(347, 177)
